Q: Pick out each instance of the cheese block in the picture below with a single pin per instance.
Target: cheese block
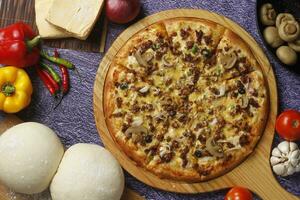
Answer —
(75, 16)
(46, 30)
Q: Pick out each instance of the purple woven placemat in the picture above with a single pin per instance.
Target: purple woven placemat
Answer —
(74, 121)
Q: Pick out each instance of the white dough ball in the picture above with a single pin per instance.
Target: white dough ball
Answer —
(29, 157)
(88, 172)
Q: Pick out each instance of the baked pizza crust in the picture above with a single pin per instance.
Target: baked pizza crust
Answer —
(165, 170)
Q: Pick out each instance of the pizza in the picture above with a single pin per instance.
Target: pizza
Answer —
(186, 99)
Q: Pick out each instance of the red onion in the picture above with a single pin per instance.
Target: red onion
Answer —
(122, 11)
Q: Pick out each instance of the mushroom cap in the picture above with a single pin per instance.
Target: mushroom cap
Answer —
(295, 45)
(272, 37)
(267, 14)
(289, 30)
(282, 17)
(287, 55)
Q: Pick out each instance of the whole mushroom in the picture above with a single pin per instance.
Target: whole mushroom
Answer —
(283, 17)
(287, 55)
(295, 45)
(285, 159)
(267, 14)
(272, 37)
(289, 30)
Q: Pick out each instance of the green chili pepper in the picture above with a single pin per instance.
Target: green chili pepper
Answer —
(56, 60)
(52, 72)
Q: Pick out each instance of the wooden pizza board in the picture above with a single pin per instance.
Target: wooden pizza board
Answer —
(6, 194)
(12, 11)
(254, 173)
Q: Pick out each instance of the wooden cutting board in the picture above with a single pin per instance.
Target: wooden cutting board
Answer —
(12, 11)
(254, 173)
(6, 194)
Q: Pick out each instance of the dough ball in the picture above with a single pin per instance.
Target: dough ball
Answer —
(29, 157)
(88, 172)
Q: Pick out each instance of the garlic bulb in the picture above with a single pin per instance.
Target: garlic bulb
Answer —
(285, 159)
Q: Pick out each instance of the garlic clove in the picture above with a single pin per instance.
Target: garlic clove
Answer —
(290, 170)
(284, 147)
(293, 146)
(295, 154)
(276, 152)
(280, 169)
(275, 160)
(294, 162)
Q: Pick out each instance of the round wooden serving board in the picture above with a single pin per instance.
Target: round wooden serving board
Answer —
(254, 173)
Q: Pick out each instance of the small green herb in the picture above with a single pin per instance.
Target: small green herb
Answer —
(155, 46)
(219, 70)
(231, 106)
(195, 49)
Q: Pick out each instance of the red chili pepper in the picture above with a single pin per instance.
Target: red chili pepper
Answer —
(18, 45)
(65, 75)
(48, 81)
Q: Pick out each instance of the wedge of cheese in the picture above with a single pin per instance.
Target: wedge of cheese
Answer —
(75, 16)
(47, 30)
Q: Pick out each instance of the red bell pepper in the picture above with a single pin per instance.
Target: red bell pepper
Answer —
(19, 45)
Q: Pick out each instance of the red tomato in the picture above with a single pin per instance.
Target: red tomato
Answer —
(239, 193)
(288, 125)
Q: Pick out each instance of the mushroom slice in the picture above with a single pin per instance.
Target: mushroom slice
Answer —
(140, 59)
(228, 60)
(283, 17)
(140, 130)
(137, 121)
(148, 56)
(213, 148)
(167, 61)
(267, 14)
(243, 101)
(295, 45)
(222, 91)
(289, 30)
(144, 89)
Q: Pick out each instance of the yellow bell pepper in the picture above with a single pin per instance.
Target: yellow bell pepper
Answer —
(15, 89)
